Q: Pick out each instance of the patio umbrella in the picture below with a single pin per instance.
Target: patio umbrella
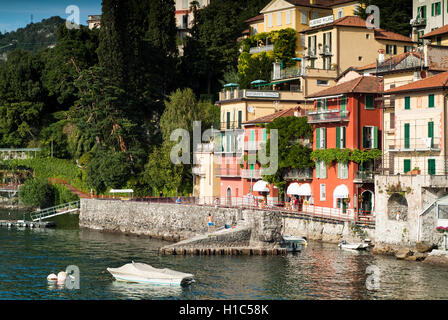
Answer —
(231, 85)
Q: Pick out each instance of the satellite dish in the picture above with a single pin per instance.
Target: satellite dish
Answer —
(250, 109)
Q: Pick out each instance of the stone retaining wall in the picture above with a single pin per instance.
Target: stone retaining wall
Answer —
(162, 221)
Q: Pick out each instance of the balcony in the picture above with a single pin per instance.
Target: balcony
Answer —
(418, 144)
(363, 177)
(311, 53)
(198, 171)
(332, 115)
(229, 95)
(266, 48)
(325, 51)
(253, 145)
(251, 174)
(418, 22)
(233, 172)
(287, 73)
(298, 174)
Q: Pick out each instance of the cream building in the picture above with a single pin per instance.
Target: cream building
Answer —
(206, 184)
(427, 16)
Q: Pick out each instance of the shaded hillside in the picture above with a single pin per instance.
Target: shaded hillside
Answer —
(33, 37)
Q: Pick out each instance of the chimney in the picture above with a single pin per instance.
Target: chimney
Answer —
(381, 56)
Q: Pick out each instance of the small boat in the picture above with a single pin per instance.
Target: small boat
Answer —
(293, 244)
(144, 273)
(353, 246)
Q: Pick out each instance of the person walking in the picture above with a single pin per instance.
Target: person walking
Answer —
(210, 223)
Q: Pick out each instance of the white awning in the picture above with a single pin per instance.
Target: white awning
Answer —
(305, 190)
(293, 188)
(121, 191)
(340, 192)
(261, 186)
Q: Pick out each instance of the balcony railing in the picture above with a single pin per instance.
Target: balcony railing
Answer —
(419, 21)
(326, 51)
(298, 174)
(363, 176)
(293, 94)
(248, 174)
(290, 72)
(198, 171)
(311, 53)
(265, 48)
(234, 171)
(416, 144)
(332, 115)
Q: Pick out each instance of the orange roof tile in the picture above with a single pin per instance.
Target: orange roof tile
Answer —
(257, 18)
(392, 60)
(438, 31)
(439, 81)
(271, 117)
(362, 84)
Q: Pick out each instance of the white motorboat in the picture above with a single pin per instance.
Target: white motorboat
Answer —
(353, 246)
(144, 273)
(293, 244)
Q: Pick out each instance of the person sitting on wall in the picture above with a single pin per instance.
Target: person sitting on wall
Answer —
(179, 200)
(398, 216)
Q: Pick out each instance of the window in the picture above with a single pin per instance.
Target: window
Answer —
(439, 41)
(392, 120)
(269, 19)
(228, 120)
(322, 82)
(340, 137)
(408, 48)
(340, 13)
(303, 17)
(431, 101)
(436, 9)
(431, 166)
(406, 165)
(369, 102)
(391, 49)
(184, 4)
(322, 192)
(407, 129)
(321, 138)
(367, 36)
(431, 132)
(370, 137)
(342, 170)
(321, 170)
(421, 12)
(279, 19)
(288, 17)
(360, 58)
(315, 15)
(407, 103)
(240, 118)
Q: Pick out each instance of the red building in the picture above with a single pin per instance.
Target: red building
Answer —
(346, 116)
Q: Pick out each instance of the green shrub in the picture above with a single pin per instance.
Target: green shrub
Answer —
(38, 193)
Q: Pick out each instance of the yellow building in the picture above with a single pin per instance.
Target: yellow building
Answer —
(333, 46)
(206, 182)
(438, 36)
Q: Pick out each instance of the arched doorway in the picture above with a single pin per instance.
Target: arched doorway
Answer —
(367, 202)
(229, 197)
(397, 204)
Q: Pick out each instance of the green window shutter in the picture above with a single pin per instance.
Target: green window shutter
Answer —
(406, 135)
(339, 171)
(252, 135)
(369, 102)
(407, 103)
(431, 132)
(318, 169)
(265, 135)
(344, 135)
(324, 138)
(432, 9)
(329, 42)
(439, 8)
(344, 103)
(338, 137)
(375, 137)
(240, 118)
(431, 101)
(431, 166)
(364, 137)
(406, 165)
(318, 138)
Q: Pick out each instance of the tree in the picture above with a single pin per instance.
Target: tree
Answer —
(293, 152)
(394, 14)
(38, 193)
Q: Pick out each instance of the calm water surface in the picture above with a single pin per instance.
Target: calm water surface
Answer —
(320, 271)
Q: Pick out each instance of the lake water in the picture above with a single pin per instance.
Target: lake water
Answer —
(320, 271)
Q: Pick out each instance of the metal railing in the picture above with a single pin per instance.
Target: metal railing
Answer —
(298, 174)
(363, 176)
(259, 49)
(325, 50)
(229, 172)
(55, 211)
(418, 21)
(331, 115)
(290, 72)
(415, 144)
(248, 174)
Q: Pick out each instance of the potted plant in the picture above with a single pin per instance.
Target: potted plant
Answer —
(415, 171)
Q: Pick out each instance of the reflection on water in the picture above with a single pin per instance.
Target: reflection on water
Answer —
(320, 271)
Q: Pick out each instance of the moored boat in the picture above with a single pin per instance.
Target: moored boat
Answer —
(353, 246)
(293, 244)
(144, 273)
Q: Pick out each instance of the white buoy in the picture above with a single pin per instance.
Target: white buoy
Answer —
(52, 277)
(61, 277)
